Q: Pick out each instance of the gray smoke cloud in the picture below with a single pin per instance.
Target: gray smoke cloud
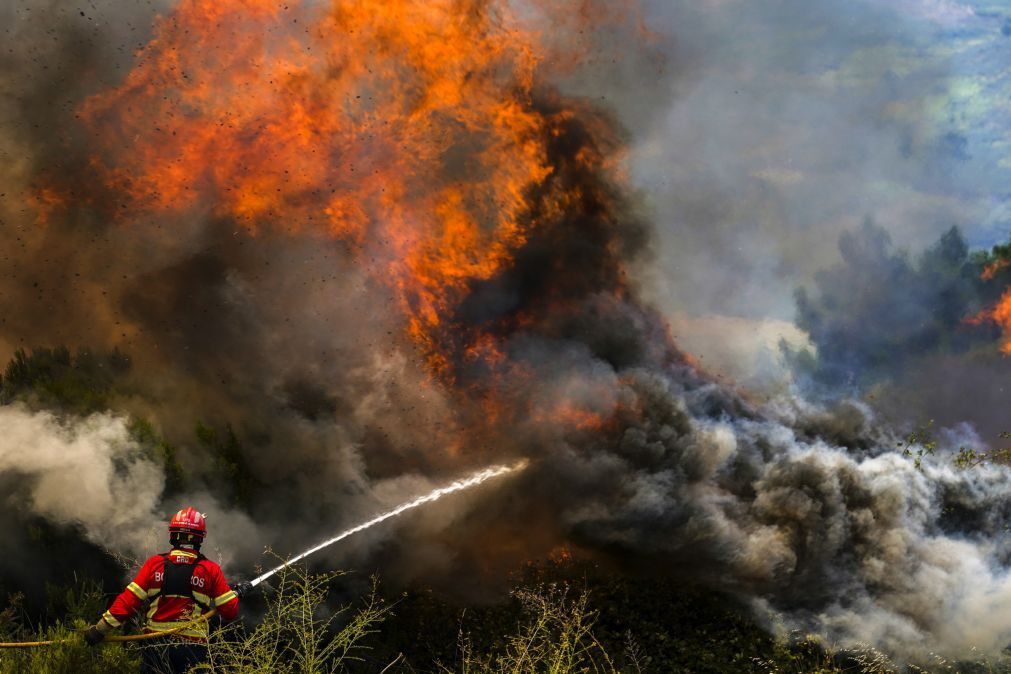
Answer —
(87, 472)
(898, 327)
(798, 121)
(854, 543)
(90, 473)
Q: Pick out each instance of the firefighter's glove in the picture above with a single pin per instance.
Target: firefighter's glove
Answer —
(243, 589)
(94, 636)
(96, 633)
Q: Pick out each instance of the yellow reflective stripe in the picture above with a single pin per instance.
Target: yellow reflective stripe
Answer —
(153, 608)
(109, 618)
(225, 598)
(153, 592)
(137, 590)
(183, 553)
(202, 598)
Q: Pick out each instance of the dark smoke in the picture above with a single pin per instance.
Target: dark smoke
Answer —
(807, 509)
(896, 327)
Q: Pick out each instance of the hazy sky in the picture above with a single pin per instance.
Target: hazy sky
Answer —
(793, 120)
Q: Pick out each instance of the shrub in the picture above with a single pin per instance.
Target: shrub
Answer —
(70, 654)
(557, 638)
(299, 632)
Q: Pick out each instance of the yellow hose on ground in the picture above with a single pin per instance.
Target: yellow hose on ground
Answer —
(130, 637)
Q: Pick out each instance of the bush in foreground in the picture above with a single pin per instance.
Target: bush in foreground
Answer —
(550, 626)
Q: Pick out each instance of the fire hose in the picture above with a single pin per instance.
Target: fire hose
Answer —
(459, 485)
(129, 637)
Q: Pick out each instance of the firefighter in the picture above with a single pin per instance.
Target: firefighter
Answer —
(180, 585)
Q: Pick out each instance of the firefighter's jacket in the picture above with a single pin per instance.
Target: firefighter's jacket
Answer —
(181, 585)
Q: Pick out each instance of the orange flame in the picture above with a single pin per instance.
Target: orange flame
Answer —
(990, 270)
(46, 200)
(404, 127)
(573, 416)
(419, 133)
(1000, 314)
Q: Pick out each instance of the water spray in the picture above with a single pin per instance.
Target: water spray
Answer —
(434, 495)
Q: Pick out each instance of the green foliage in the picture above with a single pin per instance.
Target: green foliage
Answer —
(157, 448)
(676, 627)
(628, 624)
(9, 617)
(803, 654)
(56, 379)
(71, 655)
(919, 444)
(77, 607)
(968, 457)
(300, 633)
(82, 384)
(597, 624)
(229, 462)
(556, 638)
(80, 603)
(997, 263)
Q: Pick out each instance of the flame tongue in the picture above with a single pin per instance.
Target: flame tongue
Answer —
(403, 127)
(420, 133)
(1000, 312)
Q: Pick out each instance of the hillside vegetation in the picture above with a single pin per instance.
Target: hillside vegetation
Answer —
(562, 618)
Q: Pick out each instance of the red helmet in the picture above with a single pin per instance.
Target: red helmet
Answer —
(188, 521)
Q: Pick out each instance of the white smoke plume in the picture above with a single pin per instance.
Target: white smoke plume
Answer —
(89, 473)
(84, 472)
